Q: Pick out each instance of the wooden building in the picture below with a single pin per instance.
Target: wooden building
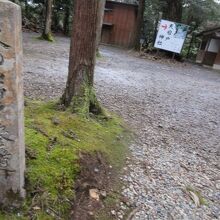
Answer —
(209, 53)
(119, 24)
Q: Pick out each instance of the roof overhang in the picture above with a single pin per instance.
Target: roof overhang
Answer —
(215, 33)
(122, 3)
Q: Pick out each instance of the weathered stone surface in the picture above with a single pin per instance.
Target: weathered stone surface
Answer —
(12, 151)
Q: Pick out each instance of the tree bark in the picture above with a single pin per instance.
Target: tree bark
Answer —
(26, 8)
(140, 17)
(101, 12)
(66, 20)
(79, 88)
(174, 10)
(48, 20)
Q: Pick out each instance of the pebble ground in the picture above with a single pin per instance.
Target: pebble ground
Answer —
(174, 109)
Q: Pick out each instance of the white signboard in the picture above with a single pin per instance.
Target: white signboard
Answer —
(171, 36)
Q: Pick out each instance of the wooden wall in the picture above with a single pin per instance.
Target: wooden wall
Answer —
(119, 24)
(209, 53)
(217, 62)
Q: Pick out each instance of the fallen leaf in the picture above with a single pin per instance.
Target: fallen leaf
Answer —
(195, 198)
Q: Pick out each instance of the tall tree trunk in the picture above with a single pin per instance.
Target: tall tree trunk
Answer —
(101, 12)
(140, 17)
(174, 10)
(79, 88)
(48, 20)
(26, 8)
(66, 20)
(160, 16)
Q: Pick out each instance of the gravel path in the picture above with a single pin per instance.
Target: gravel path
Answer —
(175, 113)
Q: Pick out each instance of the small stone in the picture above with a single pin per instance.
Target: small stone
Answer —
(91, 213)
(217, 185)
(94, 194)
(120, 216)
(123, 207)
(55, 121)
(113, 212)
(103, 193)
(96, 170)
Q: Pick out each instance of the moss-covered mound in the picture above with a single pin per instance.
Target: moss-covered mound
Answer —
(54, 139)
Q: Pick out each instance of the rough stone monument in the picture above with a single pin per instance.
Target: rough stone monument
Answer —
(12, 150)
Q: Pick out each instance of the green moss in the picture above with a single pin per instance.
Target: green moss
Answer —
(86, 103)
(11, 217)
(110, 204)
(52, 156)
(47, 37)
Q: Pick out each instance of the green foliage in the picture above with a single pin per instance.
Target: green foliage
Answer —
(33, 14)
(201, 12)
(191, 46)
(54, 139)
(62, 15)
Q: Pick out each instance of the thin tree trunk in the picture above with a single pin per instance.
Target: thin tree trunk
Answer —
(79, 91)
(48, 20)
(139, 26)
(26, 8)
(100, 21)
(66, 20)
(174, 10)
(160, 15)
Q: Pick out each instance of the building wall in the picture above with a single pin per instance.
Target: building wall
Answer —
(209, 58)
(209, 53)
(200, 56)
(119, 24)
(217, 61)
(203, 47)
(214, 46)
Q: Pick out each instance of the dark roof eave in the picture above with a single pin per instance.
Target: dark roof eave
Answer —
(208, 32)
(107, 24)
(123, 3)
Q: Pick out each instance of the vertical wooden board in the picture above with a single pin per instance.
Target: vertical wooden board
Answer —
(123, 18)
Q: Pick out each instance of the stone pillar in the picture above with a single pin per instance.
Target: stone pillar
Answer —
(12, 150)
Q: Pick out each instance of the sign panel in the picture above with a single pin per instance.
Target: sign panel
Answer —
(171, 36)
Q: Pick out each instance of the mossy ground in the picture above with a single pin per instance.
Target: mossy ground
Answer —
(54, 139)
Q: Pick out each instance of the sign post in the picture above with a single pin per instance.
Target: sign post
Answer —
(171, 36)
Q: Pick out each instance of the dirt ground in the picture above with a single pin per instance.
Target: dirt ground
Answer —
(174, 110)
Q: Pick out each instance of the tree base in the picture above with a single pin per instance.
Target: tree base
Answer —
(85, 104)
(98, 54)
(47, 37)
